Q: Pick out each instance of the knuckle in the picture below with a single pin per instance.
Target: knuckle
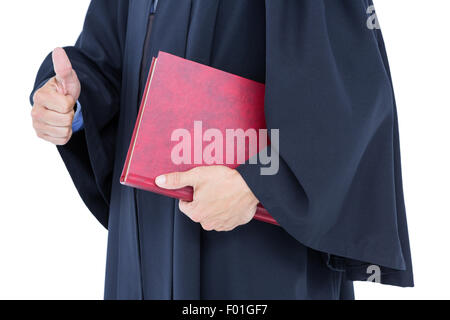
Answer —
(67, 120)
(207, 226)
(67, 132)
(175, 178)
(196, 216)
(75, 75)
(183, 207)
(220, 228)
(35, 112)
(70, 101)
(69, 135)
(67, 107)
(64, 142)
(37, 96)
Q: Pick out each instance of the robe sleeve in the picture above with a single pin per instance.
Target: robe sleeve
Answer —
(328, 91)
(97, 60)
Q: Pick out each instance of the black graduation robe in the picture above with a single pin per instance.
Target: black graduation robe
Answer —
(338, 194)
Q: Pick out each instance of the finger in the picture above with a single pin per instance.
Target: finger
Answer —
(54, 132)
(54, 101)
(177, 180)
(63, 69)
(228, 228)
(52, 118)
(55, 141)
(246, 216)
(228, 225)
(224, 228)
(208, 226)
(217, 226)
(215, 223)
(189, 209)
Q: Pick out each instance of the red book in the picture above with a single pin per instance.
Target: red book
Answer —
(182, 101)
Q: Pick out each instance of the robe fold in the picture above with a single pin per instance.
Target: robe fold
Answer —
(338, 193)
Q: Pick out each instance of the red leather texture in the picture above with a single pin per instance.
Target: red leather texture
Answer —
(178, 93)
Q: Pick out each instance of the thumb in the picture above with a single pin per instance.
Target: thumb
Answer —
(63, 69)
(177, 180)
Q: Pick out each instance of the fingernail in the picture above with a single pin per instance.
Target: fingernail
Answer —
(160, 181)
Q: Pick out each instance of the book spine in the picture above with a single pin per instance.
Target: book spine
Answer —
(126, 167)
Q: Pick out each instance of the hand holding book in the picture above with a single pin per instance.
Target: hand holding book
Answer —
(194, 116)
(213, 208)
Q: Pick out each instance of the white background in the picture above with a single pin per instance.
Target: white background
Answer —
(51, 247)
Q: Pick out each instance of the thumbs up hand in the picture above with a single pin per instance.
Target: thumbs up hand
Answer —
(54, 103)
(68, 83)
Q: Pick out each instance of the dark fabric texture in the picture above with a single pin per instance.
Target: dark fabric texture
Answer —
(337, 195)
(339, 184)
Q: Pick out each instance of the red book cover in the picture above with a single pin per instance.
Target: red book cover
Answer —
(185, 109)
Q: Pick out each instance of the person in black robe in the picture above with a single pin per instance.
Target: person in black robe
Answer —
(338, 193)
